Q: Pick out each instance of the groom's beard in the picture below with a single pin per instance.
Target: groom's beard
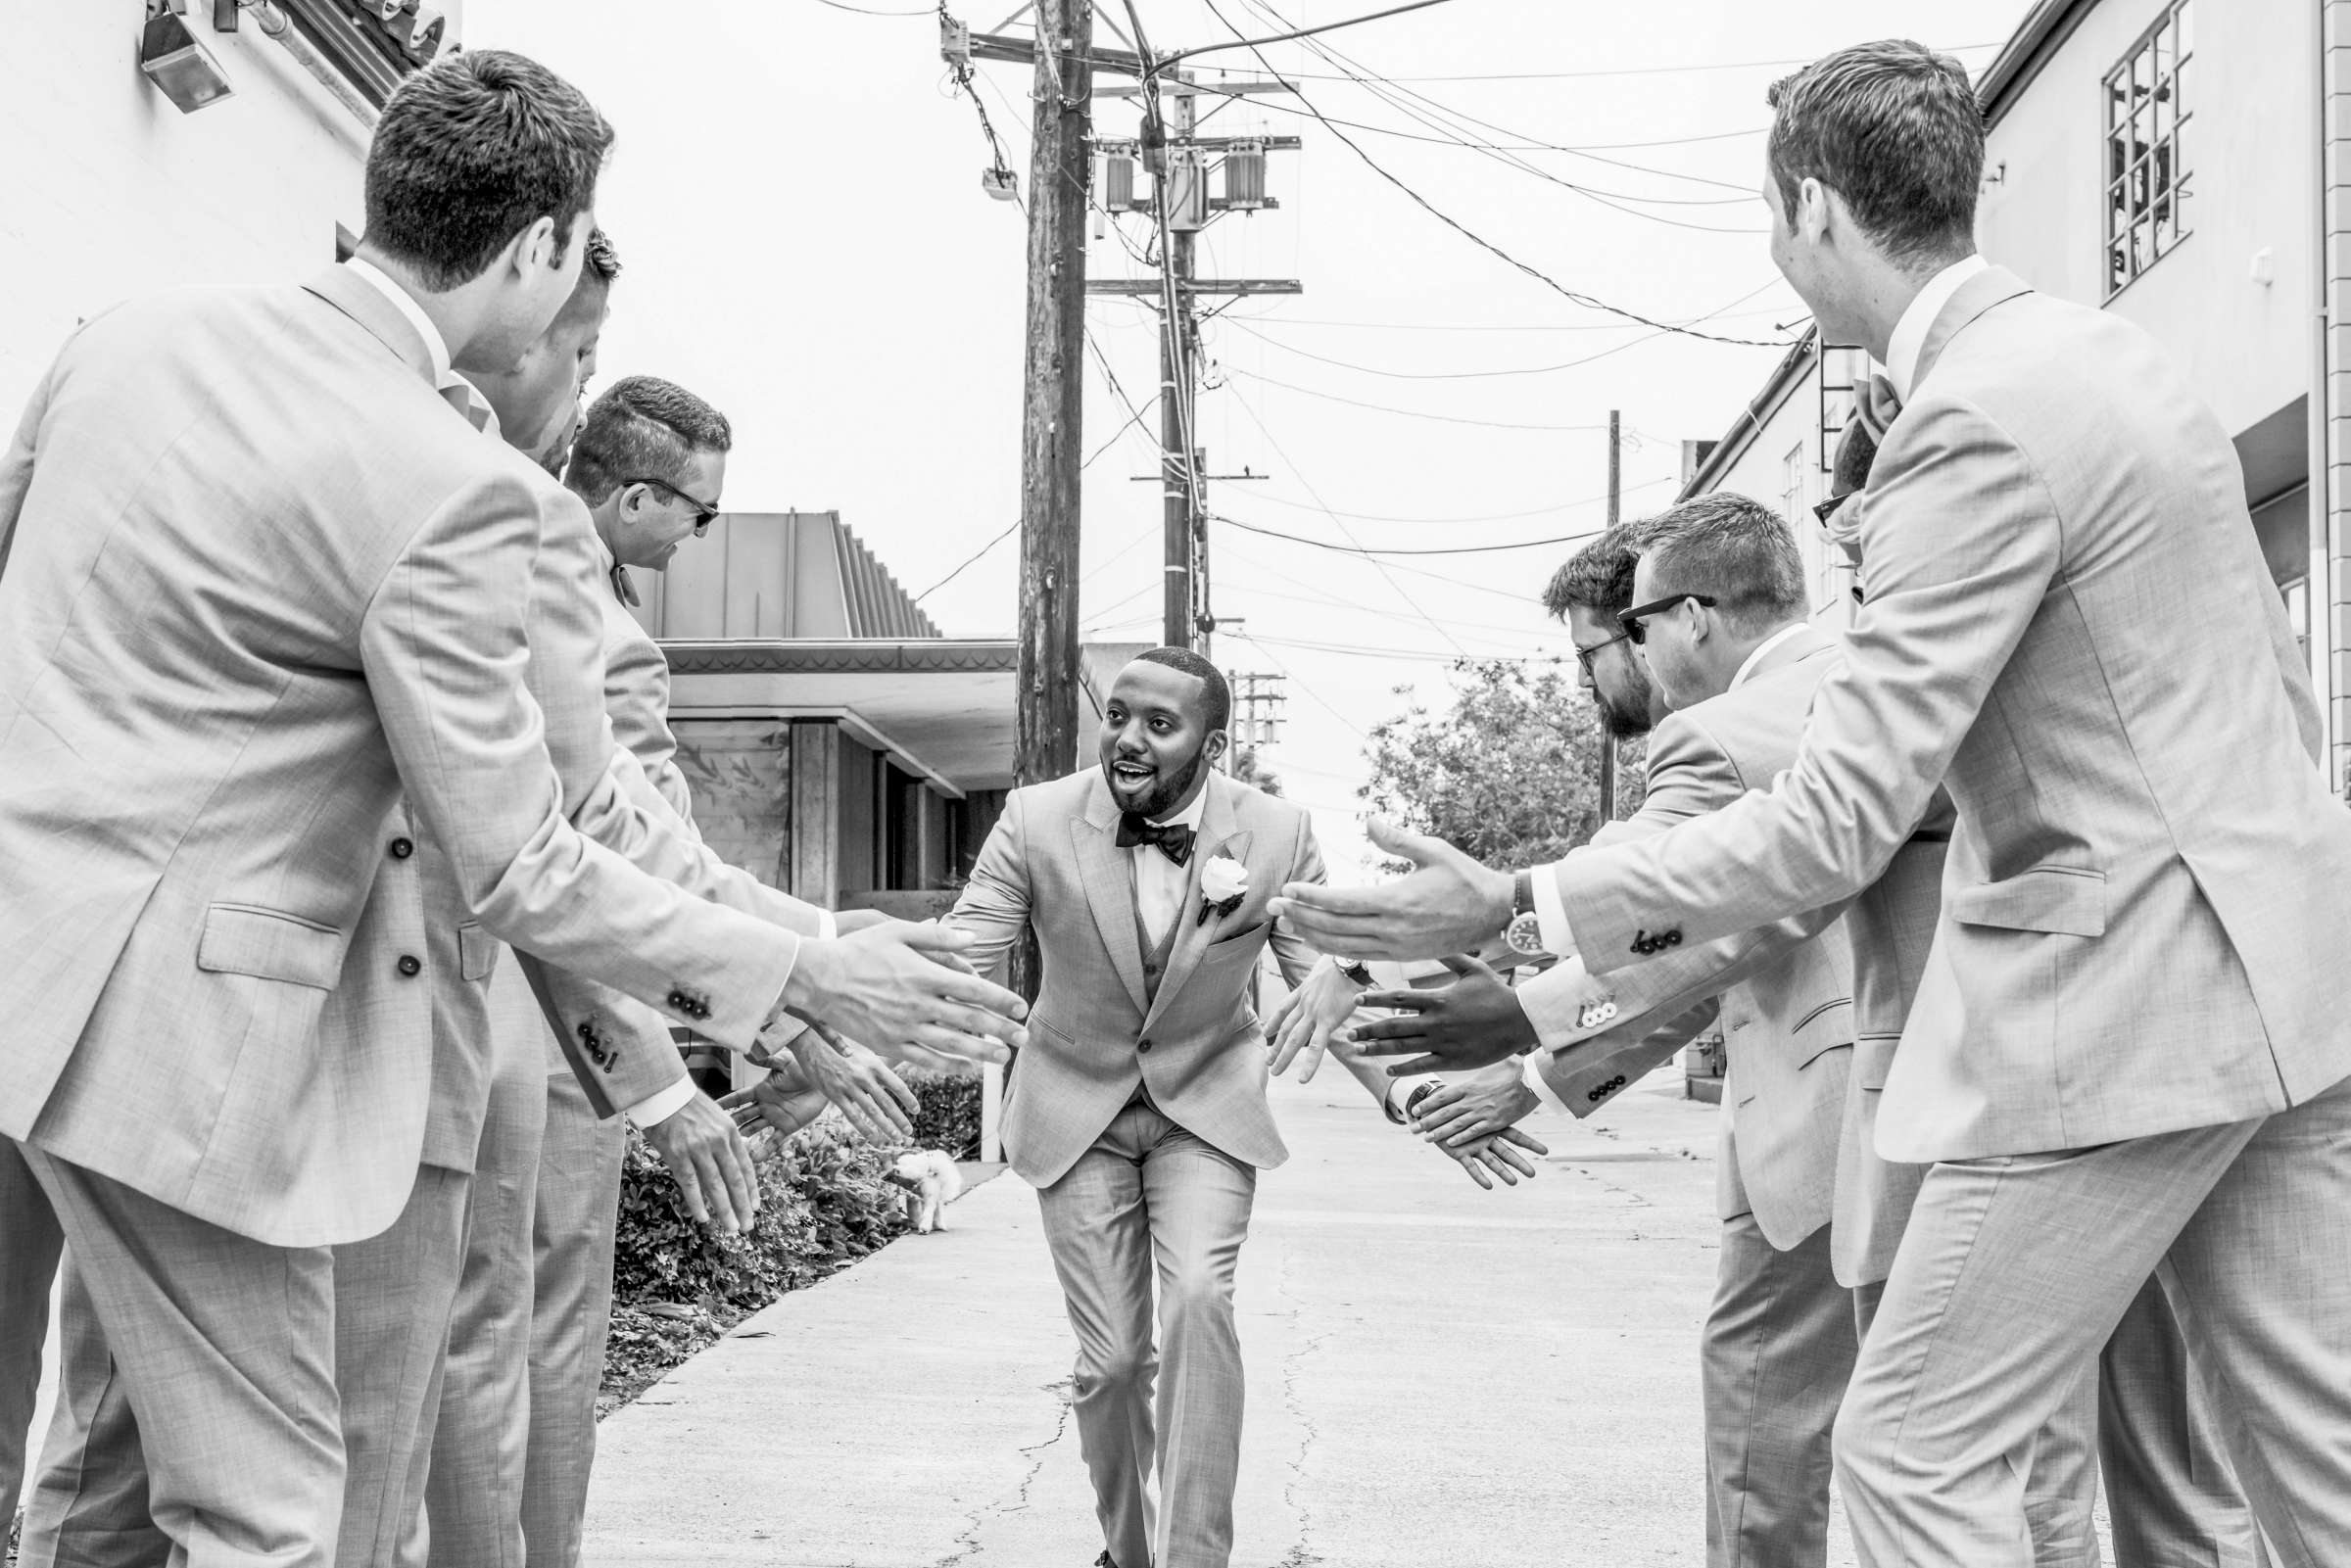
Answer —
(1166, 789)
(1625, 715)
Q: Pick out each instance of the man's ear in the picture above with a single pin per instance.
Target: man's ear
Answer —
(1215, 748)
(1817, 209)
(535, 248)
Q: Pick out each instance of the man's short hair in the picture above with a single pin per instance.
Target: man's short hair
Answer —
(599, 260)
(1896, 129)
(1597, 578)
(1216, 697)
(1737, 552)
(471, 151)
(642, 428)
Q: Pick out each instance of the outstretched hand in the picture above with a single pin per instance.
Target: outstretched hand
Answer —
(905, 984)
(1475, 1107)
(1451, 904)
(1302, 1026)
(1497, 1155)
(1473, 1022)
(712, 1164)
(783, 1103)
(875, 1100)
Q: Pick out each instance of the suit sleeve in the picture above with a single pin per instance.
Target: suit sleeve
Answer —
(1961, 542)
(1689, 775)
(1584, 1077)
(444, 647)
(637, 697)
(16, 465)
(1290, 950)
(995, 907)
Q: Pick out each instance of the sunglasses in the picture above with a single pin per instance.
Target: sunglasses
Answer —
(704, 513)
(1826, 509)
(1585, 656)
(1631, 619)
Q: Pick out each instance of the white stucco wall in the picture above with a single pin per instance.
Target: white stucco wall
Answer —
(2246, 348)
(106, 190)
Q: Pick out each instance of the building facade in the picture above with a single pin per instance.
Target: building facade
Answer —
(2179, 162)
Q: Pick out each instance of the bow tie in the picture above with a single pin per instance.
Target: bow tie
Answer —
(1174, 839)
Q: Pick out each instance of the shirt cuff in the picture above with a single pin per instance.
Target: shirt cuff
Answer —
(1533, 1073)
(1551, 913)
(661, 1104)
(828, 926)
(1402, 1090)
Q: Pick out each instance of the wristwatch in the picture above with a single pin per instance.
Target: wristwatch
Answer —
(1524, 932)
(1357, 971)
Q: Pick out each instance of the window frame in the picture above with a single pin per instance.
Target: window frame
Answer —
(2144, 200)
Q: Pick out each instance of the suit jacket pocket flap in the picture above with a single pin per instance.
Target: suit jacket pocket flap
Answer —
(2060, 899)
(477, 952)
(242, 939)
(1222, 944)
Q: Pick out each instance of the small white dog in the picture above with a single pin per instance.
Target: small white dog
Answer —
(932, 1182)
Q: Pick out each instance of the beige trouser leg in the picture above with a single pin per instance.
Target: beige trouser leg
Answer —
(227, 1347)
(576, 1210)
(2014, 1271)
(2171, 1493)
(481, 1432)
(89, 1507)
(29, 1242)
(1151, 1204)
(1775, 1354)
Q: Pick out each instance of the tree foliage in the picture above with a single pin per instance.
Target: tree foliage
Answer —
(1509, 774)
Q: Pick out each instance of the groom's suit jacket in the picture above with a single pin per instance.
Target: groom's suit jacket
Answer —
(1052, 865)
(2067, 620)
(1785, 990)
(258, 578)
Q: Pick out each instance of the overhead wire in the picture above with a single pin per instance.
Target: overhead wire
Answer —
(1408, 413)
(1589, 302)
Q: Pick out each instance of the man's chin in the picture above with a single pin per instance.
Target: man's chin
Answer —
(1131, 795)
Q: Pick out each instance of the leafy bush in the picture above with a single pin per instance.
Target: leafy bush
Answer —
(950, 1117)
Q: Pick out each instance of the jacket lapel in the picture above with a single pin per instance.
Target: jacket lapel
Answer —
(1219, 833)
(1995, 285)
(1104, 873)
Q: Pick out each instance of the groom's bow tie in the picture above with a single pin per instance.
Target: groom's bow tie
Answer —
(1175, 839)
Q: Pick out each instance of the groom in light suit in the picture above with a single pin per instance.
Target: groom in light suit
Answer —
(1138, 1107)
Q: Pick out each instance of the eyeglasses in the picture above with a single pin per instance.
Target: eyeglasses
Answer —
(1585, 656)
(1631, 620)
(703, 511)
(1826, 509)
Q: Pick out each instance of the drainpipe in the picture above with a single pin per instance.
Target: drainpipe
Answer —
(2325, 535)
(280, 29)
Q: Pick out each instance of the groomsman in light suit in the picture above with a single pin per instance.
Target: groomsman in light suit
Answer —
(223, 655)
(1138, 1107)
(2125, 1054)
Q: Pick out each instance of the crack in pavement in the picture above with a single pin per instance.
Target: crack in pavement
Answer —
(968, 1541)
(1300, 1555)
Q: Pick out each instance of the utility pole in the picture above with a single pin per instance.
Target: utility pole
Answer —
(1053, 391)
(1607, 742)
(1180, 185)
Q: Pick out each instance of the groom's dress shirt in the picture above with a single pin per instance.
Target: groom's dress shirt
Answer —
(1158, 882)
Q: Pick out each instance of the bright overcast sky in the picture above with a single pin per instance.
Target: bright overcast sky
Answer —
(796, 200)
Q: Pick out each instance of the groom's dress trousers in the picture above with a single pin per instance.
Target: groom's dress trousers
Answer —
(2127, 1052)
(225, 655)
(1779, 1339)
(1138, 1111)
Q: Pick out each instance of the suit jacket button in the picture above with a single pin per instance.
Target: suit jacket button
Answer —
(410, 965)
(402, 848)
(1143, 1045)
(677, 999)
(1673, 939)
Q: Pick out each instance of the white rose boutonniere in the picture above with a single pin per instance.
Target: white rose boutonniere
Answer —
(1223, 883)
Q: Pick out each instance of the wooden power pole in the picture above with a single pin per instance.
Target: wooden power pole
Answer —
(1607, 742)
(1053, 391)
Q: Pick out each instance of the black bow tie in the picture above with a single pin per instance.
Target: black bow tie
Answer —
(1174, 839)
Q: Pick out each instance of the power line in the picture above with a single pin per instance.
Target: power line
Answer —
(1380, 551)
(869, 11)
(1449, 522)
(1408, 413)
(1165, 62)
(1587, 301)
(959, 571)
(1629, 70)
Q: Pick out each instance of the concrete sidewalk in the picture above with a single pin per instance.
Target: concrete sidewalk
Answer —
(1437, 1375)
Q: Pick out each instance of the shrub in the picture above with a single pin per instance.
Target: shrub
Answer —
(950, 1117)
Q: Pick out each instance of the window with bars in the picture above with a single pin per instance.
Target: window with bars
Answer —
(2149, 120)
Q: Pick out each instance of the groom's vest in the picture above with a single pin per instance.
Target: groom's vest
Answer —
(1155, 955)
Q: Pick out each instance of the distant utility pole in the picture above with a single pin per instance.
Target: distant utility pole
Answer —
(1180, 205)
(1607, 742)
(1256, 703)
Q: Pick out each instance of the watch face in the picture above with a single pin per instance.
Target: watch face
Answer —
(1526, 935)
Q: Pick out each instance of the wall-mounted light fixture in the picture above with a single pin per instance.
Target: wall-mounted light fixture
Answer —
(177, 62)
